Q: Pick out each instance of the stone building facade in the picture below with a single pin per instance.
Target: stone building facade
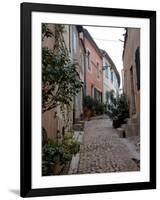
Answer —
(78, 58)
(131, 78)
(53, 121)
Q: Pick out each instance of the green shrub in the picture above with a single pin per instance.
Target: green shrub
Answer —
(88, 102)
(118, 110)
(96, 107)
(100, 108)
(54, 152)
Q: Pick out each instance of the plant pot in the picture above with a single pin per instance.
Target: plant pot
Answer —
(57, 168)
(116, 123)
(87, 113)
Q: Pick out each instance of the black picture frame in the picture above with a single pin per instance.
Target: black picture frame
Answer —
(26, 102)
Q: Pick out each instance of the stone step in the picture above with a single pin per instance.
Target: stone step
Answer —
(121, 132)
(132, 121)
(132, 129)
(78, 126)
(78, 136)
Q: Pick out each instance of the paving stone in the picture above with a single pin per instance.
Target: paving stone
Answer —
(103, 150)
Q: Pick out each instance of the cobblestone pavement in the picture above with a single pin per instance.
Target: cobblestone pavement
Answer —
(103, 151)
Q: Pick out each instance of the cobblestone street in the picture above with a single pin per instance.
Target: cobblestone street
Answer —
(103, 150)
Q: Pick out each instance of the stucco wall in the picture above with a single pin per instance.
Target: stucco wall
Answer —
(108, 85)
(132, 43)
(77, 55)
(52, 120)
(91, 75)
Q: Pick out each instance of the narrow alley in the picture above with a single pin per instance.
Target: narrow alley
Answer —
(103, 150)
(87, 82)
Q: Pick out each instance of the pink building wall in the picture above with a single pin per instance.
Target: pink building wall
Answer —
(91, 74)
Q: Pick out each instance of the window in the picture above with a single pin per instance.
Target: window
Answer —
(88, 60)
(109, 73)
(82, 62)
(97, 95)
(112, 76)
(115, 81)
(98, 72)
(133, 103)
(137, 61)
(69, 37)
(92, 91)
(74, 42)
(106, 70)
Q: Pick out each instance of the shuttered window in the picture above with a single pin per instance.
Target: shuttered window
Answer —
(137, 61)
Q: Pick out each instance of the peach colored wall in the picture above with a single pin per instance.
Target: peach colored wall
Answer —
(132, 43)
(50, 123)
(91, 75)
(53, 120)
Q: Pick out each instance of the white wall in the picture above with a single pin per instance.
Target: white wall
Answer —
(9, 98)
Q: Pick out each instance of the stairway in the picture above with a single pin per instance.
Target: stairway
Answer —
(78, 126)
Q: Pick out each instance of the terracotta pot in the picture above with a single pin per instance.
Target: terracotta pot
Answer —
(57, 168)
(87, 113)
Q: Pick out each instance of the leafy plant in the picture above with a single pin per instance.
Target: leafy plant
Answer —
(71, 146)
(118, 110)
(60, 80)
(110, 97)
(58, 153)
(88, 102)
(93, 105)
(99, 108)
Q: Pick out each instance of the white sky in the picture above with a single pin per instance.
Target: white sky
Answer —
(107, 38)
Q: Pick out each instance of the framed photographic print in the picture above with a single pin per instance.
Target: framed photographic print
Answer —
(88, 99)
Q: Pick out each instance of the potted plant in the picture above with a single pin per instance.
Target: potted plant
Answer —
(88, 107)
(118, 110)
